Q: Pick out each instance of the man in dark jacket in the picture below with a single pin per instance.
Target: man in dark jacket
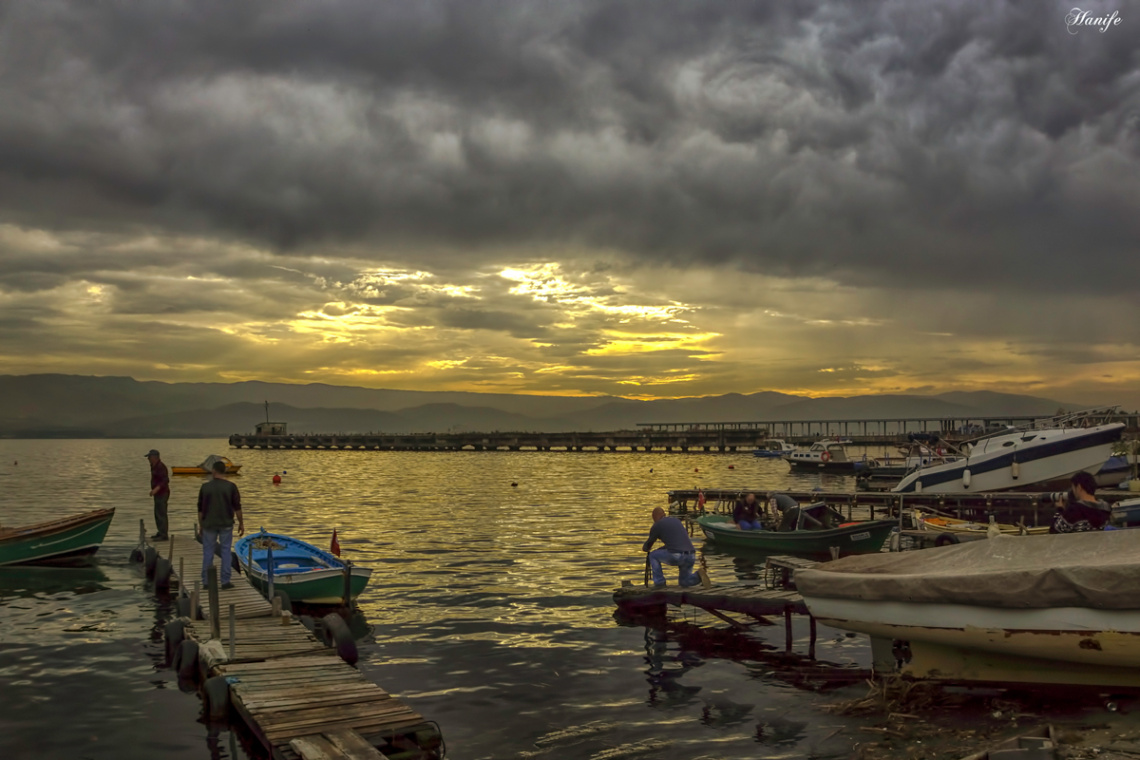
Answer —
(677, 550)
(1083, 510)
(160, 490)
(218, 504)
(746, 515)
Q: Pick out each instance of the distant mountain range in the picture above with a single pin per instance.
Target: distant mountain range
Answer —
(84, 406)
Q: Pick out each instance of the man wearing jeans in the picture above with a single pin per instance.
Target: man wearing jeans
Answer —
(677, 550)
(218, 503)
(160, 490)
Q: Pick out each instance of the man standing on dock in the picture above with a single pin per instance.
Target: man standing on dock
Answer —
(160, 490)
(677, 550)
(218, 503)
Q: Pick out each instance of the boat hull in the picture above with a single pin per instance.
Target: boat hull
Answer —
(232, 469)
(58, 542)
(809, 465)
(314, 586)
(1076, 636)
(861, 538)
(1047, 457)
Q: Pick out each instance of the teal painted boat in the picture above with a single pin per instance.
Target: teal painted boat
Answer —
(865, 537)
(307, 574)
(68, 540)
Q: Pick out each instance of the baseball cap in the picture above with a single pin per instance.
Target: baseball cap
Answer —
(151, 453)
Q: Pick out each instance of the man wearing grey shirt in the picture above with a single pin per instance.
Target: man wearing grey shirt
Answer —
(677, 550)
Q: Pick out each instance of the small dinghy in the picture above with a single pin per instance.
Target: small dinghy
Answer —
(307, 574)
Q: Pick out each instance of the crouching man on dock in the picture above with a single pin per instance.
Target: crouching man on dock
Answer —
(677, 550)
(218, 503)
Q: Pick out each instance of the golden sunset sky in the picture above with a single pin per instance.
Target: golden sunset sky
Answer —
(639, 199)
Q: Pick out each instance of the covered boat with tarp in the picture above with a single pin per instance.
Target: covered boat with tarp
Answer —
(1040, 609)
(207, 467)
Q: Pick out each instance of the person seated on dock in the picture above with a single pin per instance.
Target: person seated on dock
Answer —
(1082, 510)
(746, 515)
(218, 504)
(677, 550)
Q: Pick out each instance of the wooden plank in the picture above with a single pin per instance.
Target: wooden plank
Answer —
(293, 664)
(319, 712)
(354, 745)
(316, 747)
(290, 727)
(283, 733)
(298, 698)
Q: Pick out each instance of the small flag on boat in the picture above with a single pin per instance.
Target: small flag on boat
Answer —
(700, 499)
(335, 548)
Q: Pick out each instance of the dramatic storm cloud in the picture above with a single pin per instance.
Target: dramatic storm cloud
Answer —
(642, 198)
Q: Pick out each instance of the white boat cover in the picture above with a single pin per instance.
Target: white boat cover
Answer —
(209, 463)
(1096, 569)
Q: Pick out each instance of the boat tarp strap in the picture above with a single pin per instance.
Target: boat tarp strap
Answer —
(1094, 569)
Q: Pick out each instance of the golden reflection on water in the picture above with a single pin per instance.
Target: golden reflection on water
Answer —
(450, 540)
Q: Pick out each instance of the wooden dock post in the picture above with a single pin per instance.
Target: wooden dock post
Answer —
(269, 572)
(233, 635)
(182, 576)
(811, 641)
(142, 533)
(215, 605)
(788, 629)
(348, 585)
(195, 599)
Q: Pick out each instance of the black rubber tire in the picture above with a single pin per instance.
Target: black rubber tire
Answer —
(186, 660)
(234, 563)
(183, 603)
(216, 698)
(149, 559)
(340, 637)
(162, 574)
(286, 602)
(946, 539)
(136, 555)
(173, 634)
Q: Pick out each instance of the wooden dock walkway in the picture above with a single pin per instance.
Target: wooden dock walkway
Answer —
(295, 694)
(775, 598)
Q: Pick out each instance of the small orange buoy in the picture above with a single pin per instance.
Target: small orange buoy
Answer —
(696, 469)
(276, 479)
(732, 467)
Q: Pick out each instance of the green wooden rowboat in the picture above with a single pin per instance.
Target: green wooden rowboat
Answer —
(68, 540)
(854, 538)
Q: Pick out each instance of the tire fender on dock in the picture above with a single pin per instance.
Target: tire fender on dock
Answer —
(338, 635)
(216, 698)
(173, 632)
(945, 539)
(150, 556)
(162, 573)
(186, 660)
(286, 602)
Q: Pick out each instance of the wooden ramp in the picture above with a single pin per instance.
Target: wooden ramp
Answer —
(295, 694)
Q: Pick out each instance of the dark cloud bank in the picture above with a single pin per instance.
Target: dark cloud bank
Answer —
(927, 144)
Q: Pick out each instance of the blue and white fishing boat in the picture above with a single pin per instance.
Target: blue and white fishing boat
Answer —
(304, 572)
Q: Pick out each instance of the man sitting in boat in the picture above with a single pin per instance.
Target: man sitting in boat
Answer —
(677, 550)
(746, 515)
(1082, 510)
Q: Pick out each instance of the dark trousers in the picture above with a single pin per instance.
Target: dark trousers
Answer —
(161, 524)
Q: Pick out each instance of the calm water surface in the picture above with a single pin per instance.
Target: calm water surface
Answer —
(490, 605)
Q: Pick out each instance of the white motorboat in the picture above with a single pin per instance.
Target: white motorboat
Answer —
(828, 455)
(1021, 459)
(774, 448)
(1027, 609)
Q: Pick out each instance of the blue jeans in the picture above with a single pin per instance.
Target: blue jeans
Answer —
(683, 561)
(751, 525)
(210, 538)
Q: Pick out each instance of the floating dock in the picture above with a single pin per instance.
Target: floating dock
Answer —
(294, 693)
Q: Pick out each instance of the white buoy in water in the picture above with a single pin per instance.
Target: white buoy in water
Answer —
(1015, 469)
(918, 486)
